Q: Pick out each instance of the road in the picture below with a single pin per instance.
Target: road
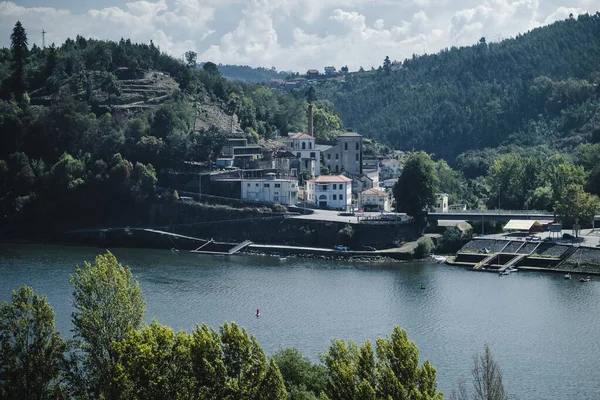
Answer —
(326, 215)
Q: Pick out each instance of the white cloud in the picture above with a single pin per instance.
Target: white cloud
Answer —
(295, 34)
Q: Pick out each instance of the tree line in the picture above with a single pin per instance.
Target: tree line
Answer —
(114, 355)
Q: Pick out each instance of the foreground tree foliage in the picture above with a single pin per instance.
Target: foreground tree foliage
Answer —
(109, 306)
(32, 354)
(391, 372)
(575, 205)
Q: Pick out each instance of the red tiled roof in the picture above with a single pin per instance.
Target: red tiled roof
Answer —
(376, 192)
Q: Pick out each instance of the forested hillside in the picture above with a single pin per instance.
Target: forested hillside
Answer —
(85, 126)
(540, 88)
(249, 74)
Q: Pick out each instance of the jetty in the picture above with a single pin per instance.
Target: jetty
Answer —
(499, 255)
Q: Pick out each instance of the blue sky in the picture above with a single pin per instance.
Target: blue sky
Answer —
(288, 34)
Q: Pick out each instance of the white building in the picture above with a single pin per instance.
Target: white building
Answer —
(270, 190)
(390, 168)
(303, 146)
(330, 191)
(375, 200)
(441, 203)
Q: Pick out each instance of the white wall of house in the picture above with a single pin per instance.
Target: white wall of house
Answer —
(441, 203)
(309, 156)
(282, 191)
(330, 192)
(376, 200)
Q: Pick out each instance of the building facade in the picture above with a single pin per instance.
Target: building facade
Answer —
(375, 200)
(330, 191)
(346, 155)
(270, 190)
(441, 203)
(309, 157)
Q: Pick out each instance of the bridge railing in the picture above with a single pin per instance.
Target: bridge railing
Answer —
(498, 212)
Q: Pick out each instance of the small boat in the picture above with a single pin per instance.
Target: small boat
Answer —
(439, 259)
(174, 250)
(257, 313)
(282, 258)
(505, 272)
(511, 269)
(585, 279)
(568, 275)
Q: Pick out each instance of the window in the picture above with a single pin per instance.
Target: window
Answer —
(356, 145)
(303, 145)
(345, 146)
(310, 145)
(298, 155)
(306, 164)
(329, 168)
(257, 185)
(337, 168)
(334, 197)
(334, 186)
(337, 156)
(341, 197)
(357, 157)
(248, 185)
(266, 185)
(329, 156)
(312, 155)
(277, 185)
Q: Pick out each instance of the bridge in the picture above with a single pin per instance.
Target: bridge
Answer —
(493, 215)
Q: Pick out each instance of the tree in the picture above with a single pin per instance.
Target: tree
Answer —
(392, 372)
(211, 68)
(424, 247)
(387, 65)
(302, 378)
(326, 123)
(345, 234)
(576, 206)
(487, 379)
(415, 189)
(154, 363)
(190, 59)
(110, 84)
(108, 306)
(18, 46)
(32, 354)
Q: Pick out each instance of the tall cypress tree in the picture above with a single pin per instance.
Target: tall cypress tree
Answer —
(19, 48)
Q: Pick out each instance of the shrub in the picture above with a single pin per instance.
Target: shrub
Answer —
(345, 235)
(424, 247)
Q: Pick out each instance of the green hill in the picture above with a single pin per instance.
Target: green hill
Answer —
(539, 88)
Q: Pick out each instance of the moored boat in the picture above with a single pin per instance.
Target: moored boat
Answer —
(585, 279)
(568, 275)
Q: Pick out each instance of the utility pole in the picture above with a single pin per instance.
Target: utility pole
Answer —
(43, 39)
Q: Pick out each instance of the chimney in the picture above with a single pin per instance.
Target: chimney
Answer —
(310, 120)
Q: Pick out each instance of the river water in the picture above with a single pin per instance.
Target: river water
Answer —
(543, 329)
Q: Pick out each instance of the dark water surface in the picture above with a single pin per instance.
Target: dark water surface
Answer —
(543, 330)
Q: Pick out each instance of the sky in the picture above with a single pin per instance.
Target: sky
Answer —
(290, 35)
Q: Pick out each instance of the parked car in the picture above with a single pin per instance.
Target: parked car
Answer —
(568, 236)
(340, 247)
(548, 239)
(533, 238)
(368, 248)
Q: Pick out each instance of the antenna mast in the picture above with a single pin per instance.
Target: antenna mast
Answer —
(43, 39)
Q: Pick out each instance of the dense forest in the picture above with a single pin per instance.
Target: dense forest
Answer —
(539, 88)
(249, 74)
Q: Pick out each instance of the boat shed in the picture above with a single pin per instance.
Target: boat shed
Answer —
(526, 225)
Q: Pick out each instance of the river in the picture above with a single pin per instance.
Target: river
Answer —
(543, 329)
